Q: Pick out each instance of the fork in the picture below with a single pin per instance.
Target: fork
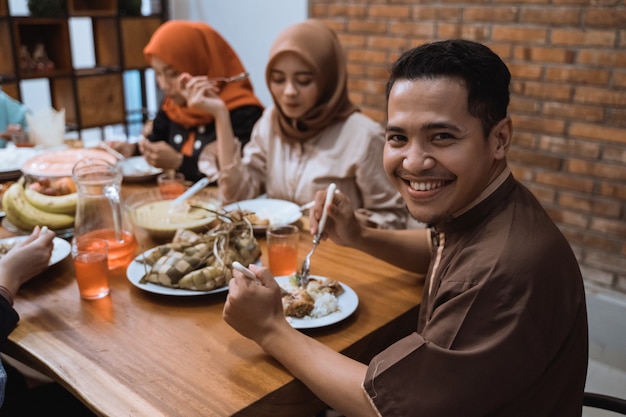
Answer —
(306, 264)
(237, 77)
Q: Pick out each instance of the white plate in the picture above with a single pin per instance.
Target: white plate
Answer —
(276, 211)
(137, 169)
(11, 160)
(62, 233)
(136, 270)
(348, 302)
(60, 249)
(10, 175)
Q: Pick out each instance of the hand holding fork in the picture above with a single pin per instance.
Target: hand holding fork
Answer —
(303, 277)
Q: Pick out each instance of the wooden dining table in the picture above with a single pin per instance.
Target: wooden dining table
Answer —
(137, 353)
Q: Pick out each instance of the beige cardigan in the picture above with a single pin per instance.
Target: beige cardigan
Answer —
(348, 153)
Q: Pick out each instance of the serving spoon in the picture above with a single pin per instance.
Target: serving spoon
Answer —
(178, 202)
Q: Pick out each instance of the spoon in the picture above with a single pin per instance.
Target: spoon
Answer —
(307, 206)
(112, 151)
(178, 201)
(246, 272)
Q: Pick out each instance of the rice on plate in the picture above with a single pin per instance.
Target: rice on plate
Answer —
(319, 299)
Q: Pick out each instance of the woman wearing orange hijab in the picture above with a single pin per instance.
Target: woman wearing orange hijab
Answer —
(184, 54)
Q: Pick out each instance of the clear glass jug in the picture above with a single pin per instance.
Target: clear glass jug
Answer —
(99, 211)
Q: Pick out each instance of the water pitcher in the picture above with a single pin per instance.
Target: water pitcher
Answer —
(99, 212)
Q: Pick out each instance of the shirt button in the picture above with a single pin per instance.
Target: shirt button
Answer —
(197, 144)
(178, 139)
(201, 129)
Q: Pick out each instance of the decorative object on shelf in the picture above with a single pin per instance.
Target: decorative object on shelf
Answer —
(26, 61)
(46, 8)
(40, 58)
(129, 7)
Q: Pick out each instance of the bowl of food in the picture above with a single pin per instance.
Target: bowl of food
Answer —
(161, 218)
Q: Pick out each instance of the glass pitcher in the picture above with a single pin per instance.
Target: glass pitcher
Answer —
(99, 211)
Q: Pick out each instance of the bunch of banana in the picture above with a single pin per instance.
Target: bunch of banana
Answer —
(26, 208)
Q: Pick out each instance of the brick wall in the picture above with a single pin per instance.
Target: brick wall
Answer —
(568, 98)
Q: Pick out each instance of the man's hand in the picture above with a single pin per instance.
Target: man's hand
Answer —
(342, 226)
(253, 309)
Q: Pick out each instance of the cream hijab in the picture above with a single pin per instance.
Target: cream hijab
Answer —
(319, 47)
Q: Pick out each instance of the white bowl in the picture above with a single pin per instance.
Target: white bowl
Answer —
(150, 211)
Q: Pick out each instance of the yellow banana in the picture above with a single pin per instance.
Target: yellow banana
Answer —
(11, 214)
(25, 216)
(54, 204)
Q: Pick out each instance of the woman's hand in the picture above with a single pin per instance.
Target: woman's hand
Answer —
(14, 131)
(201, 93)
(26, 259)
(160, 154)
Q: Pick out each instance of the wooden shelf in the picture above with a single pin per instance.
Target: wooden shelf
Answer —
(7, 69)
(96, 71)
(106, 42)
(12, 89)
(92, 97)
(100, 99)
(92, 8)
(135, 33)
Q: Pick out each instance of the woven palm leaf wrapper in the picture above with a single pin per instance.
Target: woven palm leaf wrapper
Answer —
(203, 261)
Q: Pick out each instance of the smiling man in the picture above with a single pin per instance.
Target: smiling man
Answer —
(502, 329)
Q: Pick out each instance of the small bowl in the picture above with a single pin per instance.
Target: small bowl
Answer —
(150, 211)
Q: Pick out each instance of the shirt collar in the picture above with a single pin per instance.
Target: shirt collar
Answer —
(494, 185)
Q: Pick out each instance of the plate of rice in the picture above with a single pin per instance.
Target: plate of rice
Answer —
(327, 309)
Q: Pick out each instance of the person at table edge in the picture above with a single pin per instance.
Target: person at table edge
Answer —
(502, 328)
(22, 262)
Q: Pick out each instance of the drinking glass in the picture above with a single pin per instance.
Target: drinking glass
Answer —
(91, 266)
(282, 249)
(171, 185)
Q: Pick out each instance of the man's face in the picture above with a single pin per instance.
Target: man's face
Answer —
(436, 153)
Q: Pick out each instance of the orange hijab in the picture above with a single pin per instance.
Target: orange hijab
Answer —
(319, 47)
(196, 48)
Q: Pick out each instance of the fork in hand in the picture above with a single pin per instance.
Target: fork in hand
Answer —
(231, 79)
(306, 264)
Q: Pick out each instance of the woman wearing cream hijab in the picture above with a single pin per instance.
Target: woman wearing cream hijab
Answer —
(312, 136)
(184, 55)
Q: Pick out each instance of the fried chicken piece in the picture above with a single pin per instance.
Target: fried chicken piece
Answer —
(330, 285)
(298, 303)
